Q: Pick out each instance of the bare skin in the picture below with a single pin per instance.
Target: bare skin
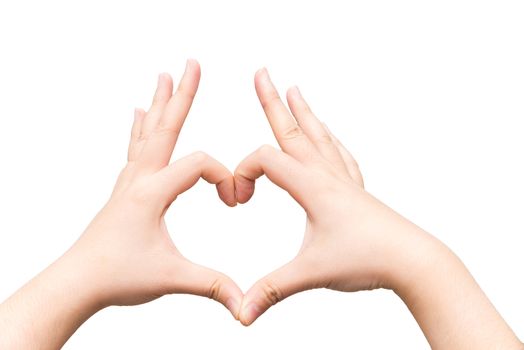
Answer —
(126, 256)
(352, 241)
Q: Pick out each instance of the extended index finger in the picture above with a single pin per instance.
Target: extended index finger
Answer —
(288, 133)
(161, 142)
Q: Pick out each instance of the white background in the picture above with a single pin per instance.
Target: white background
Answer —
(429, 97)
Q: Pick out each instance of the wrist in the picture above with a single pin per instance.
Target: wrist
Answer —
(73, 278)
(422, 264)
(48, 309)
(450, 307)
(404, 252)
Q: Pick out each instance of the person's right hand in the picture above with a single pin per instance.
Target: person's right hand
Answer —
(353, 241)
(126, 255)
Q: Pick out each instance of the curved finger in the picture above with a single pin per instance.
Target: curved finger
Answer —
(136, 130)
(290, 279)
(185, 172)
(190, 278)
(162, 138)
(350, 162)
(314, 129)
(282, 169)
(288, 133)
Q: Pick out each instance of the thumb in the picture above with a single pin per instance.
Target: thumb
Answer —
(289, 279)
(200, 280)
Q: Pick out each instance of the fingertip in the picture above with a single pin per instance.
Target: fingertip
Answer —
(192, 64)
(164, 87)
(226, 192)
(294, 93)
(139, 113)
(261, 71)
(163, 77)
(244, 189)
(261, 75)
(249, 313)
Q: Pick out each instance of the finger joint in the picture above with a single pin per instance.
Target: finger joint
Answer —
(292, 132)
(272, 293)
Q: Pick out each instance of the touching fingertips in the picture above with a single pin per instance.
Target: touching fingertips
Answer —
(226, 192)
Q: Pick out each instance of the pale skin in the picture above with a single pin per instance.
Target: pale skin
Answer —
(352, 241)
(126, 256)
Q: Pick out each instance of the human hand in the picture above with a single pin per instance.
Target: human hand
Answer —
(126, 256)
(352, 241)
(127, 247)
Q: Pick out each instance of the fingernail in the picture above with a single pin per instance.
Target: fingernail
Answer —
(136, 113)
(250, 313)
(232, 306)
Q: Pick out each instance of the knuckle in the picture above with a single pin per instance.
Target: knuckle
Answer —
(142, 136)
(324, 139)
(215, 288)
(271, 292)
(137, 137)
(166, 130)
(292, 132)
(199, 157)
(135, 133)
(265, 151)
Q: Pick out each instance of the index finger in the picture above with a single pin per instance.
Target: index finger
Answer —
(288, 133)
(161, 142)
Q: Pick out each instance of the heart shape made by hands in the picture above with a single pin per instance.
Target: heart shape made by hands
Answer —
(312, 166)
(318, 172)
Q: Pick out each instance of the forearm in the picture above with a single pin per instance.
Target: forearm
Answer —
(451, 309)
(45, 312)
